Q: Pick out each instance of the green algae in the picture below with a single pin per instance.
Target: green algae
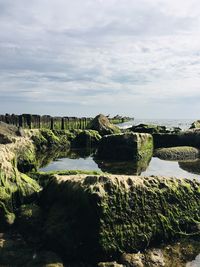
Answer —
(44, 178)
(15, 190)
(177, 153)
(123, 147)
(86, 138)
(109, 215)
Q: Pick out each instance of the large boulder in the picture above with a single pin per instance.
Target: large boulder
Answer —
(102, 124)
(128, 146)
(148, 128)
(177, 153)
(102, 216)
(184, 138)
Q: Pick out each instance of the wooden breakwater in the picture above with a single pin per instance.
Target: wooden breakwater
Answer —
(30, 121)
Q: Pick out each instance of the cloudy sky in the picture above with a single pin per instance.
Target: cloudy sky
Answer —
(81, 57)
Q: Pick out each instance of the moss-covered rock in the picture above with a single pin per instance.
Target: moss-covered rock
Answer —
(102, 124)
(153, 129)
(45, 139)
(149, 128)
(15, 187)
(44, 178)
(8, 133)
(26, 158)
(86, 139)
(184, 138)
(177, 153)
(103, 216)
(129, 146)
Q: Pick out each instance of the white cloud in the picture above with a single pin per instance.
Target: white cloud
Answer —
(101, 55)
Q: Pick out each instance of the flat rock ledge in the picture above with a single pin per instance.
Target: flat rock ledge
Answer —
(177, 153)
(103, 216)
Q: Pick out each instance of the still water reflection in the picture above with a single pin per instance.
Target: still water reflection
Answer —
(84, 160)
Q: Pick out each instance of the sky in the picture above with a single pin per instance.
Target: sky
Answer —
(138, 58)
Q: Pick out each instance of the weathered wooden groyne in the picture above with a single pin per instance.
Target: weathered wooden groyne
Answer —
(48, 122)
(31, 121)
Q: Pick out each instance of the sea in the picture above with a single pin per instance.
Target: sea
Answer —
(184, 124)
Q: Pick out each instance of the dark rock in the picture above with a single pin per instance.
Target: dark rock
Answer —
(149, 128)
(129, 146)
(86, 139)
(21, 132)
(187, 138)
(154, 129)
(30, 222)
(178, 254)
(102, 124)
(5, 139)
(14, 251)
(190, 166)
(134, 167)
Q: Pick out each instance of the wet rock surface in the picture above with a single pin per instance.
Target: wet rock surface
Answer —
(15, 187)
(128, 146)
(190, 166)
(91, 217)
(177, 153)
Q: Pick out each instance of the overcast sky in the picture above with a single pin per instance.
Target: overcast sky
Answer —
(81, 57)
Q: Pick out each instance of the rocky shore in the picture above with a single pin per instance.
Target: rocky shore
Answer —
(72, 218)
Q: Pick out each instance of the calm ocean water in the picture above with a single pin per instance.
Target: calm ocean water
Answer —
(184, 124)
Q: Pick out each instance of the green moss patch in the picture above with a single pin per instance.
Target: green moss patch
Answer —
(104, 216)
(177, 153)
(128, 146)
